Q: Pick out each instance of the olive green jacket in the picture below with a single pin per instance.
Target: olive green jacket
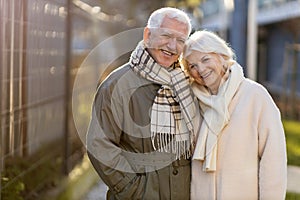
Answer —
(119, 144)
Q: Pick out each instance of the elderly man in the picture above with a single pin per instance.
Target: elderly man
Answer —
(140, 135)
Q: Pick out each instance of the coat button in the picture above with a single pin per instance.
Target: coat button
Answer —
(175, 171)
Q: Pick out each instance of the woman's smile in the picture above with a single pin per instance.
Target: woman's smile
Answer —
(204, 76)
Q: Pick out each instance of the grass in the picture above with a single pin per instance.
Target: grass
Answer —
(292, 196)
(292, 131)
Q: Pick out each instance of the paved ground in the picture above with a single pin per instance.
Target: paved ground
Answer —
(293, 179)
(98, 192)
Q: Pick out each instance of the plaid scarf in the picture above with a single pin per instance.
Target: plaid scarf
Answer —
(173, 109)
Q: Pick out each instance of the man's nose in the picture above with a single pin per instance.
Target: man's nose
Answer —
(172, 43)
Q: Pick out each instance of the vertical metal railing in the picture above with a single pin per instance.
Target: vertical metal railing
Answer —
(23, 79)
(1, 79)
(11, 80)
(20, 82)
(68, 92)
(294, 76)
(290, 77)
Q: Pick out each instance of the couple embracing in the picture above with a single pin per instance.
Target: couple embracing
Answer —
(181, 121)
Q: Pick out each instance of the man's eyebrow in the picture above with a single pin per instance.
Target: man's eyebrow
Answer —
(170, 31)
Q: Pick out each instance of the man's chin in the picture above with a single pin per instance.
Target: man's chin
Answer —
(166, 65)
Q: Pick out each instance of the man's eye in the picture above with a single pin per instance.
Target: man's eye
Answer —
(166, 36)
(181, 41)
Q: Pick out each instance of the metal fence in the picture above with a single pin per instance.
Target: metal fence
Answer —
(37, 66)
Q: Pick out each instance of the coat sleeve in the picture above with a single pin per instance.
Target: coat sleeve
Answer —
(103, 147)
(272, 151)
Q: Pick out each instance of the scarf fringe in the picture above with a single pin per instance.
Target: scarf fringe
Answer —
(165, 142)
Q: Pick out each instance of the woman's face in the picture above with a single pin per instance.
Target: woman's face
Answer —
(206, 69)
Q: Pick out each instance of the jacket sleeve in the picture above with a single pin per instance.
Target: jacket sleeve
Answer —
(103, 139)
(272, 151)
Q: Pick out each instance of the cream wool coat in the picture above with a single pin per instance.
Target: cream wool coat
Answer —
(251, 156)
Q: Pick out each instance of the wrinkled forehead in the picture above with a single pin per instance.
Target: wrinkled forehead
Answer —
(169, 32)
(195, 55)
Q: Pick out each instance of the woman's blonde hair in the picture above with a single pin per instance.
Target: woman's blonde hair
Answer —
(207, 42)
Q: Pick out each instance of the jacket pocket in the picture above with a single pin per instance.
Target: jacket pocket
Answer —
(134, 189)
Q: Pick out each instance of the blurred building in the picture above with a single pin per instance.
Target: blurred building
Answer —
(265, 35)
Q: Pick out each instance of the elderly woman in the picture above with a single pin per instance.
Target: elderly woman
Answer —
(240, 148)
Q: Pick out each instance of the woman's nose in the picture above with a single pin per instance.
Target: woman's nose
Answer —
(200, 68)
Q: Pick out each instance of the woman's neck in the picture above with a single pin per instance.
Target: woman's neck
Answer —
(215, 88)
(213, 91)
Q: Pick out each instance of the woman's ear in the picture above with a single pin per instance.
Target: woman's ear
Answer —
(222, 58)
(224, 61)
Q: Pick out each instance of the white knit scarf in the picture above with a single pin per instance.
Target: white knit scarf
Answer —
(173, 109)
(214, 109)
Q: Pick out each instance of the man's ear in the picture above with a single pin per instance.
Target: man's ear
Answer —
(147, 34)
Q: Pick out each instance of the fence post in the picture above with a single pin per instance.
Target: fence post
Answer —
(68, 93)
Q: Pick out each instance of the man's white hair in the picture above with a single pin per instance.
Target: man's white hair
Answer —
(156, 18)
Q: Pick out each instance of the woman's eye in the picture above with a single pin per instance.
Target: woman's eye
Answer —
(205, 60)
(192, 66)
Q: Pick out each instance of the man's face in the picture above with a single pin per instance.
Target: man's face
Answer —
(165, 44)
